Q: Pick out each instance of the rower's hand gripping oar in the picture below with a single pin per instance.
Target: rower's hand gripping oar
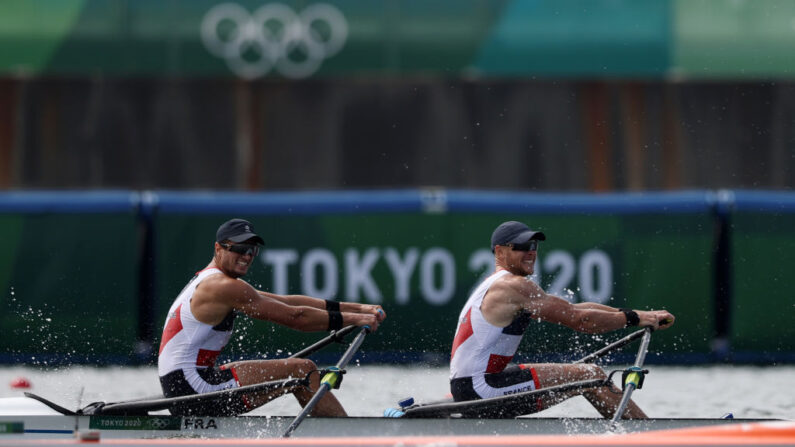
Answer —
(331, 379)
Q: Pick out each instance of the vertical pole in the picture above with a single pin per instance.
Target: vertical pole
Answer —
(144, 348)
(722, 278)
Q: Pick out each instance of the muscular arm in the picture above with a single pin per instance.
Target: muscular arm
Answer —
(513, 294)
(302, 300)
(296, 300)
(588, 319)
(597, 306)
(218, 295)
(658, 319)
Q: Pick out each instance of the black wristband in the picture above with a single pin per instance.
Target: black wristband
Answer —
(332, 305)
(632, 317)
(334, 320)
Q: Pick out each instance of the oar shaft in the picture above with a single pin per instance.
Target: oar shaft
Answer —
(326, 382)
(644, 348)
(147, 405)
(612, 347)
(334, 336)
(355, 344)
(630, 387)
(319, 394)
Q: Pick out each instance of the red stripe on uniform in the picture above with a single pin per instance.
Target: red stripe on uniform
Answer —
(464, 332)
(244, 398)
(205, 357)
(497, 363)
(537, 383)
(172, 328)
(233, 371)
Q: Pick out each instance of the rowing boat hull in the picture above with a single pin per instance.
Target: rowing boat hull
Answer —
(35, 423)
(269, 427)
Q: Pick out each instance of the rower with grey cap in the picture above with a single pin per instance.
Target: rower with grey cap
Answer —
(515, 234)
(493, 321)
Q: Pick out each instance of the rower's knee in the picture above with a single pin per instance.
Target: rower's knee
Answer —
(590, 371)
(306, 367)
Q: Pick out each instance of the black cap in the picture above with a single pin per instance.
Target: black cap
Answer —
(237, 230)
(513, 232)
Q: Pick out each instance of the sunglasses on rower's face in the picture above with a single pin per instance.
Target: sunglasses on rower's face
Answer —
(241, 249)
(527, 246)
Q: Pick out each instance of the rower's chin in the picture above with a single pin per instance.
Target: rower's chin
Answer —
(241, 270)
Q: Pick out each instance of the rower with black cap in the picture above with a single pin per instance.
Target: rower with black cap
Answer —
(498, 311)
(200, 323)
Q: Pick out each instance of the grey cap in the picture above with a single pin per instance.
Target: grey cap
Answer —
(513, 232)
(237, 230)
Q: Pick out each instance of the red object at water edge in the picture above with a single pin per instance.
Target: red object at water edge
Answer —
(20, 382)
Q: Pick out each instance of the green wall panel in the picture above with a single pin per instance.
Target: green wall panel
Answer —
(763, 309)
(69, 286)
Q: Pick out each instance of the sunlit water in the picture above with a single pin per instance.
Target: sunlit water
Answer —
(696, 391)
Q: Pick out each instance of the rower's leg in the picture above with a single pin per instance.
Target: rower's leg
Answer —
(605, 400)
(328, 406)
(258, 371)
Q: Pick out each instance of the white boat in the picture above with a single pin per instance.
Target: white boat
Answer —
(27, 418)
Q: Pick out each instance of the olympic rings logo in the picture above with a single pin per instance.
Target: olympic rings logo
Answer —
(274, 36)
(159, 423)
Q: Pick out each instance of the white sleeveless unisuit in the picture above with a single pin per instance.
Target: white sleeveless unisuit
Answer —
(188, 344)
(479, 347)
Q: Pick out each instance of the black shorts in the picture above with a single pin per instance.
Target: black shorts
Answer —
(174, 384)
(510, 381)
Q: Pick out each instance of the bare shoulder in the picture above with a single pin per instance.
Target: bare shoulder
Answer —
(522, 292)
(218, 295)
(218, 282)
(506, 297)
(516, 287)
(224, 289)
